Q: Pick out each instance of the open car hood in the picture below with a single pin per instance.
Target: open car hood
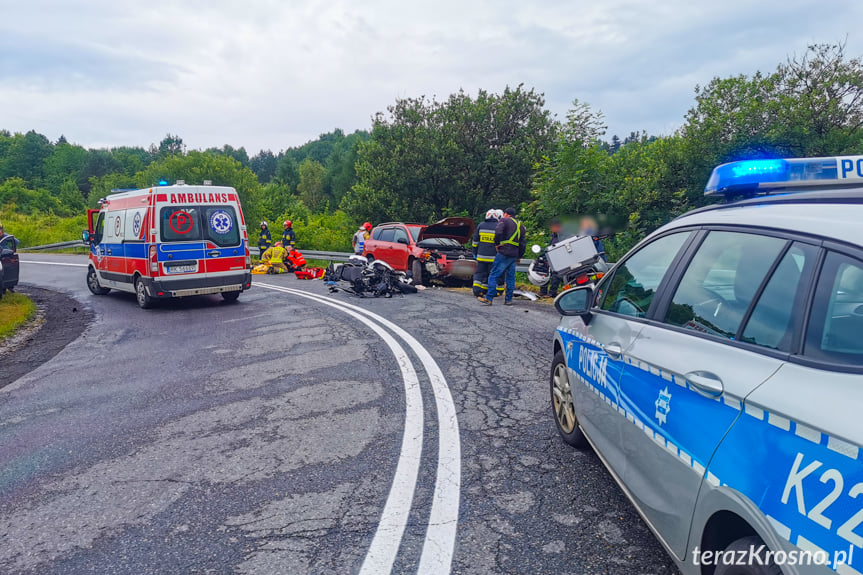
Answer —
(459, 229)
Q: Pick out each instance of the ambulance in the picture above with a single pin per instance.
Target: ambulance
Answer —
(169, 242)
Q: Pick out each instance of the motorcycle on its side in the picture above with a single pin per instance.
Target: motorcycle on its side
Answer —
(574, 260)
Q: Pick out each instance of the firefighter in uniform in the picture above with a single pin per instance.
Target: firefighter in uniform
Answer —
(289, 238)
(275, 256)
(265, 241)
(484, 252)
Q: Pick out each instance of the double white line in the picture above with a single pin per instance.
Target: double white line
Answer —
(439, 541)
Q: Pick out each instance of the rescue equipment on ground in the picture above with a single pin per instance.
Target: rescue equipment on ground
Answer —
(310, 273)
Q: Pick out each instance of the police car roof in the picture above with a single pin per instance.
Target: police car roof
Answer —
(835, 213)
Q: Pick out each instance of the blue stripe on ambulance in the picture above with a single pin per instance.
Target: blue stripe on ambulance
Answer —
(807, 484)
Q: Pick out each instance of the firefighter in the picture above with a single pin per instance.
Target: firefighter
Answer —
(289, 238)
(360, 237)
(484, 252)
(265, 241)
(275, 257)
(510, 239)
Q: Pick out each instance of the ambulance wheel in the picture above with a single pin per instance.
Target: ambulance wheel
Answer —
(417, 272)
(144, 299)
(745, 544)
(562, 404)
(230, 296)
(93, 283)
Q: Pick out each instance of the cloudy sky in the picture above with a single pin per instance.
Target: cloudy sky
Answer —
(276, 73)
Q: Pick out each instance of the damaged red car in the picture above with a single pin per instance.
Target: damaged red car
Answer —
(428, 252)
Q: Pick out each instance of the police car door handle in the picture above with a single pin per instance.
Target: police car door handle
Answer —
(613, 350)
(705, 382)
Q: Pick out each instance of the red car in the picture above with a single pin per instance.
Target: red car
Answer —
(435, 251)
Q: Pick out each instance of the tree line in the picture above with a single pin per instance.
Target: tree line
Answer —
(424, 159)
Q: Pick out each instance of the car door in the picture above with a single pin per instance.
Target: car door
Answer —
(181, 249)
(98, 248)
(8, 248)
(401, 249)
(595, 352)
(687, 375)
(803, 428)
(384, 249)
(221, 231)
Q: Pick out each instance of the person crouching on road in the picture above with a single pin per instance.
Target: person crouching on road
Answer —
(275, 256)
(550, 289)
(289, 238)
(265, 240)
(484, 252)
(360, 237)
(510, 239)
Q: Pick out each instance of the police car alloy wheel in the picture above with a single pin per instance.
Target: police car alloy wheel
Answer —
(144, 300)
(562, 404)
(93, 283)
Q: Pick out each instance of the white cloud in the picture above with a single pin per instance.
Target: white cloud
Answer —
(271, 74)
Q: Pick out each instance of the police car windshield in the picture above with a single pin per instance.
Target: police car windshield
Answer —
(217, 224)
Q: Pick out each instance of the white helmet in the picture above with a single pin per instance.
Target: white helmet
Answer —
(498, 214)
(263, 224)
(492, 214)
(537, 278)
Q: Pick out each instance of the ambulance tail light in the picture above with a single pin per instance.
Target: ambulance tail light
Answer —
(248, 257)
(154, 263)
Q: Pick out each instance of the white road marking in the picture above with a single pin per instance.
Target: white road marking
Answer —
(439, 543)
(52, 263)
(385, 545)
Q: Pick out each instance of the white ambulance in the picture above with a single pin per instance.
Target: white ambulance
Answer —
(169, 241)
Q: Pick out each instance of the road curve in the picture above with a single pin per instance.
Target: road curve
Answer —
(265, 437)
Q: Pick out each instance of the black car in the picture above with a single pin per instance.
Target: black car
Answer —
(8, 263)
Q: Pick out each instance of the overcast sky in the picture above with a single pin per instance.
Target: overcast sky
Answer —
(276, 73)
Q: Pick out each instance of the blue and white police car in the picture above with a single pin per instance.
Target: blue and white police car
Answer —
(717, 371)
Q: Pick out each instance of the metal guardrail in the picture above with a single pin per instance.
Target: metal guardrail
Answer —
(309, 254)
(58, 246)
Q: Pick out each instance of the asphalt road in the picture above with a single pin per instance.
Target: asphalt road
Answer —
(281, 434)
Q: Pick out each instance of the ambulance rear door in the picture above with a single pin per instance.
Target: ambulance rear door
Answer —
(181, 248)
(225, 250)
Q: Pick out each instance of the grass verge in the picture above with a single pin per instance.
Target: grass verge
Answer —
(15, 310)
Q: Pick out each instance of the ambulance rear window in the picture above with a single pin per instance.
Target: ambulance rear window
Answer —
(221, 225)
(180, 223)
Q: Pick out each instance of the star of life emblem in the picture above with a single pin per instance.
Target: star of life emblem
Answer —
(663, 405)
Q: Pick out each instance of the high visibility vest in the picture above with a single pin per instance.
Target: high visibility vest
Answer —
(276, 254)
(514, 240)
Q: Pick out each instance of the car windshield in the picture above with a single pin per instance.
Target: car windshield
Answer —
(415, 232)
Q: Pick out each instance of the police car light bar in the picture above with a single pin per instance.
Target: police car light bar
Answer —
(763, 176)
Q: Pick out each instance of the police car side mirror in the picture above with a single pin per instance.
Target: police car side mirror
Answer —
(577, 301)
(85, 237)
(535, 248)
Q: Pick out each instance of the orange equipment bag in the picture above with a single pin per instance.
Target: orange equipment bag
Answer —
(309, 273)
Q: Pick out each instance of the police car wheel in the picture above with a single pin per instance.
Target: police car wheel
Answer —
(144, 299)
(93, 283)
(230, 296)
(740, 549)
(562, 404)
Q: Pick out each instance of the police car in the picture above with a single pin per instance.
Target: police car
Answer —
(169, 241)
(717, 371)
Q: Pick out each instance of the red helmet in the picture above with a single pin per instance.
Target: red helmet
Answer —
(367, 226)
(288, 223)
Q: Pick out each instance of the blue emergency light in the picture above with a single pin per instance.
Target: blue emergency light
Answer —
(163, 182)
(750, 177)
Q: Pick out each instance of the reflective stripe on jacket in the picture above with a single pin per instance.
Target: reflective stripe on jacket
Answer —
(483, 241)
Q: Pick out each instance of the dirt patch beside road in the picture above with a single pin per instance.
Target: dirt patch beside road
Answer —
(59, 320)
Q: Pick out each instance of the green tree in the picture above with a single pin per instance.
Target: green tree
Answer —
(311, 185)
(427, 159)
(195, 167)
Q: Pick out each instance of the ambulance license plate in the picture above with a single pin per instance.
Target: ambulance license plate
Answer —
(182, 269)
